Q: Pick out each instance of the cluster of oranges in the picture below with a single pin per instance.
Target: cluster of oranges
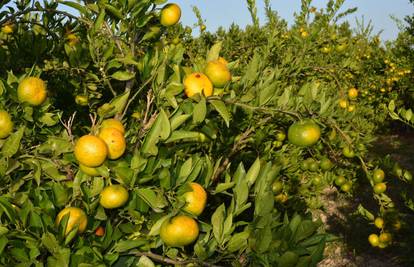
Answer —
(383, 239)
(216, 75)
(347, 103)
(182, 230)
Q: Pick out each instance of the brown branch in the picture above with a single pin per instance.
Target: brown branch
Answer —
(264, 109)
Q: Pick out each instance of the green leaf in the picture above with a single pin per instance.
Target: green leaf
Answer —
(155, 229)
(12, 144)
(214, 52)
(144, 261)
(123, 75)
(125, 245)
(99, 21)
(238, 242)
(221, 108)
(217, 220)
(253, 172)
(185, 171)
(200, 111)
(177, 121)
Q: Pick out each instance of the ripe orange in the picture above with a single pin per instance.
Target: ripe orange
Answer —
(90, 151)
(7, 29)
(113, 123)
(223, 61)
(351, 108)
(304, 133)
(352, 93)
(170, 14)
(6, 124)
(379, 222)
(113, 196)
(72, 39)
(195, 199)
(218, 73)
(77, 217)
(380, 188)
(100, 231)
(197, 83)
(373, 240)
(179, 231)
(32, 90)
(343, 103)
(88, 170)
(82, 100)
(115, 141)
(385, 237)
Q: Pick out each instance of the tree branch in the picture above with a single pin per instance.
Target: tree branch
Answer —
(180, 262)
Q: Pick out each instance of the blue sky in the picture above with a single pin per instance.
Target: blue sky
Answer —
(224, 12)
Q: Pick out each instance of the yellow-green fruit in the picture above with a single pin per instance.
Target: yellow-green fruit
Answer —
(32, 90)
(170, 15)
(197, 83)
(218, 73)
(379, 223)
(179, 231)
(77, 217)
(7, 29)
(88, 170)
(6, 124)
(113, 196)
(195, 199)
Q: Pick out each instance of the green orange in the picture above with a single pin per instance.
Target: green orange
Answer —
(304, 133)
(179, 231)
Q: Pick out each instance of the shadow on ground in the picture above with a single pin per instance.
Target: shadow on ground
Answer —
(353, 248)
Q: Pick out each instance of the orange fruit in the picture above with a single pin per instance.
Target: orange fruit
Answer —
(113, 196)
(352, 93)
(115, 141)
(380, 188)
(82, 100)
(379, 222)
(7, 29)
(218, 73)
(100, 231)
(170, 14)
(90, 151)
(281, 198)
(6, 124)
(88, 170)
(385, 237)
(72, 39)
(223, 61)
(195, 199)
(197, 83)
(77, 217)
(373, 240)
(113, 123)
(179, 231)
(343, 103)
(32, 90)
(304, 133)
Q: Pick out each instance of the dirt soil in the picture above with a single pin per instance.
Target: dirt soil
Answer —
(352, 248)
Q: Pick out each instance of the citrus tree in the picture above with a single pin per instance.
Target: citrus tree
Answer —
(127, 142)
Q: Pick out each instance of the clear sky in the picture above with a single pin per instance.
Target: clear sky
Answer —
(224, 12)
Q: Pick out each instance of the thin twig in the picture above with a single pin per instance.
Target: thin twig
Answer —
(134, 96)
(264, 109)
(68, 126)
(237, 146)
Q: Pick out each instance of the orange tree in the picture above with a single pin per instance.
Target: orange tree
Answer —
(177, 152)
